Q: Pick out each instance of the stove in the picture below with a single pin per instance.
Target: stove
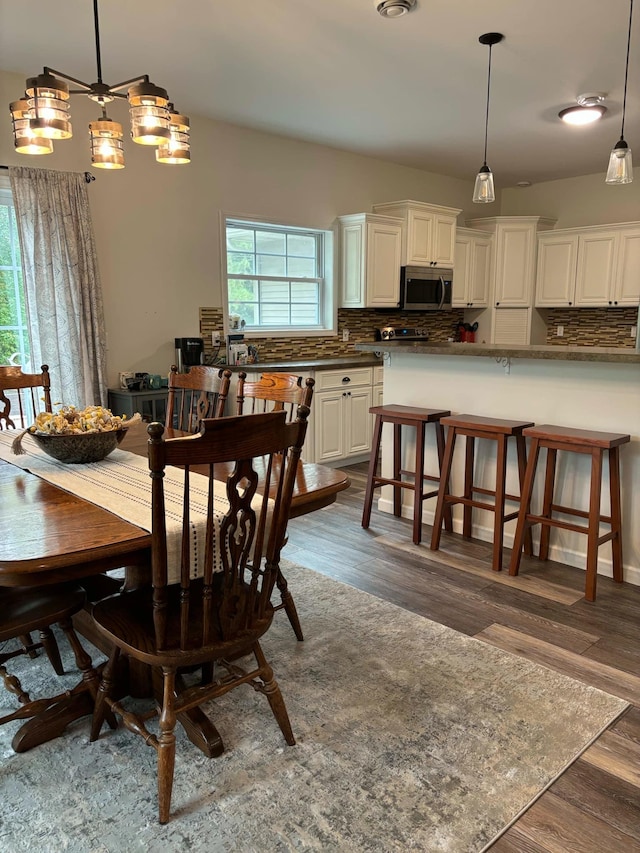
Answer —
(401, 333)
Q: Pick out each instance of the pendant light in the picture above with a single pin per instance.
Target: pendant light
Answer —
(620, 169)
(484, 191)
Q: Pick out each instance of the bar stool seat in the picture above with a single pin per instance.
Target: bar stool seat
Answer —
(570, 440)
(418, 418)
(494, 429)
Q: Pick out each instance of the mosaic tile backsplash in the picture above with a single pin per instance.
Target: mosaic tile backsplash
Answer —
(607, 327)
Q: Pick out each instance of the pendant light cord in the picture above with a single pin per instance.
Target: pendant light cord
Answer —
(97, 31)
(486, 118)
(626, 71)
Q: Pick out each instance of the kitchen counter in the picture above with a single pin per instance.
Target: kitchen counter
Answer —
(618, 355)
(303, 365)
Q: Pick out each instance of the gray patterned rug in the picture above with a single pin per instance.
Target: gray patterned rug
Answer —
(410, 736)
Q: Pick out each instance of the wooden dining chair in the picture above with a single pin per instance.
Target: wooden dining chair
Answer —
(23, 396)
(28, 609)
(221, 614)
(277, 392)
(200, 393)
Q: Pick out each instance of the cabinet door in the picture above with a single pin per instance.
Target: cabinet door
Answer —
(556, 275)
(478, 290)
(627, 285)
(329, 420)
(420, 236)
(596, 269)
(515, 265)
(443, 241)
(351, 265)
(382, 271)
(358, 421)
(462, 272)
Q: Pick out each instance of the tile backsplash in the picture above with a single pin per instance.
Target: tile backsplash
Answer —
(607, 327)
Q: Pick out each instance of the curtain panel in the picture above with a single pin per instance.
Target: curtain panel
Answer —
(62, 284)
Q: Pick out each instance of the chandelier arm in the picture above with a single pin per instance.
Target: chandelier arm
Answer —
(86, 87)
(144, 78)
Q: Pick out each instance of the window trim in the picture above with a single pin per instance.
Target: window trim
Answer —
(329, 306)
(6, 197)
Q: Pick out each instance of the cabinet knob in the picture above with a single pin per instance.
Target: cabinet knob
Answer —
(615, 301)
(571, 303)
(346, 379)
(497, 303)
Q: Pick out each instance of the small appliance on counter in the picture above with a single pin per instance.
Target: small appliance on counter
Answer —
(401, 333)
(237, 350)
(189, 351)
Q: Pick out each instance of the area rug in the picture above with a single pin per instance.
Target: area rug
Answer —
(410, 736)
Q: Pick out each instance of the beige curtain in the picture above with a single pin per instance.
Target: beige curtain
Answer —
(62, 285)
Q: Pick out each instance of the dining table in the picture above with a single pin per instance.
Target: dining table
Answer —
(51, 535)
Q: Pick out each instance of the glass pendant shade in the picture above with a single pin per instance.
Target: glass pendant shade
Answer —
(48, 100)
(23, 139)
(148, 108)
(106, 144)
(178, 149)
(484, 191)
(620, 169)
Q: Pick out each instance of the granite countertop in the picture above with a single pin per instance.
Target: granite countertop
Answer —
(543, 351)
(304, 364)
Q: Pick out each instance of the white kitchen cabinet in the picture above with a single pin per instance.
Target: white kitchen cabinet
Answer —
(428, 232)
(370, 247)
(342, 423)
(472, 269)
(378, 375)
(589, 267)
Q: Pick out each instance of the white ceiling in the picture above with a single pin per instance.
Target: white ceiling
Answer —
(410, 90)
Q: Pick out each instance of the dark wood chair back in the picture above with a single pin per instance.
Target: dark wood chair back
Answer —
(200, 393)
(23, 396)
(255, 460)
(273, 392)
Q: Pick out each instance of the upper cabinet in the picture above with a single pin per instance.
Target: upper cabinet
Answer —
(370, 247)
(589, 267)
(428, 234)
(472, 269)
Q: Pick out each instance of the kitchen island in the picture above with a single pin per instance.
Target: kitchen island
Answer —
(587, 387)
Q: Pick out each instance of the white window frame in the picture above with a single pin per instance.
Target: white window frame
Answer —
(328, 302)
(20, 357)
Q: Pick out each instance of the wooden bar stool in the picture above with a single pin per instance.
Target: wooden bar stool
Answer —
(498, 430)
(555, 438)
(409, 416)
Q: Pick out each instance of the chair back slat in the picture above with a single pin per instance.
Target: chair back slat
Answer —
(273, 392)
(23, 396)
(254, 460)
(201, 393)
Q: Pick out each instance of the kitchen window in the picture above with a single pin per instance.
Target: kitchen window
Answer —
(14, 334)
(276, 277)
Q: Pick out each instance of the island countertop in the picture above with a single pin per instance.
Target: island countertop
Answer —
(619, 355)
(302, 364)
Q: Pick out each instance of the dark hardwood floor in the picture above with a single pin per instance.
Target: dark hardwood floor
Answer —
(542, 615)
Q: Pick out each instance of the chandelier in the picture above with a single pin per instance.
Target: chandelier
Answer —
(42, 116)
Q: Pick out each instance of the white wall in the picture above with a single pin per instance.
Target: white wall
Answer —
(157, 227)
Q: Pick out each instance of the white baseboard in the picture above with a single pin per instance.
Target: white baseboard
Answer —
(562, 555)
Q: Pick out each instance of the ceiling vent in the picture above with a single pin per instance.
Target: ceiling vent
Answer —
(394, 8)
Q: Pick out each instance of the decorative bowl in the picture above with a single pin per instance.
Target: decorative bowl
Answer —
(79, 447)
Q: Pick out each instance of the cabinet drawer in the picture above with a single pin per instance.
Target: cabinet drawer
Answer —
(348, 378)
(378, 375)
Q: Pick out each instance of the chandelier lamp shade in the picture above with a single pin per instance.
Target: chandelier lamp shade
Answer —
(484, 190)
(620, 169)
(42, 116)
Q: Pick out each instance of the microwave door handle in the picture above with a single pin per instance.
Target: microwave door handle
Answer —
(443, 291)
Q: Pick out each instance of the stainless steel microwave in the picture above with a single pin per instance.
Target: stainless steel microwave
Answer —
(426, 288)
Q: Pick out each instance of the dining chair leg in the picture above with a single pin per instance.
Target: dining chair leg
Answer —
(289, 605)
(51, 650)
(26, 641)
(272, 691)
(100, 708)
(166, 744)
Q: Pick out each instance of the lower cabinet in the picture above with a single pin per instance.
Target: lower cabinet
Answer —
(342, 423)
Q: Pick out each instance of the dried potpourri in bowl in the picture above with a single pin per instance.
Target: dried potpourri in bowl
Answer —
(71, 435)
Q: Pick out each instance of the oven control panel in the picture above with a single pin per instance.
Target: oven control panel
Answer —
(399, 333)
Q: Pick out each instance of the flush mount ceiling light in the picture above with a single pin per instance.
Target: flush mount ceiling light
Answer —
(43, 116)
(484, 191)
(590, 108)
(394, 8)
(620, 169)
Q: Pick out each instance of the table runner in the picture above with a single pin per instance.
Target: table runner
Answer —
(121, 484)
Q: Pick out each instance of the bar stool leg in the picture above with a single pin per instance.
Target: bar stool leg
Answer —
(443, 489)
(373, 468)
(547, 501)
(616, 514)
(521, 450)
(594, 524)
(468, 485)
(448, 515)
(525, 505)
(397, 466)
(498, 523)
(418, 490)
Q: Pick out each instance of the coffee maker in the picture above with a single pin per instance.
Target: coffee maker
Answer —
(189, 351)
